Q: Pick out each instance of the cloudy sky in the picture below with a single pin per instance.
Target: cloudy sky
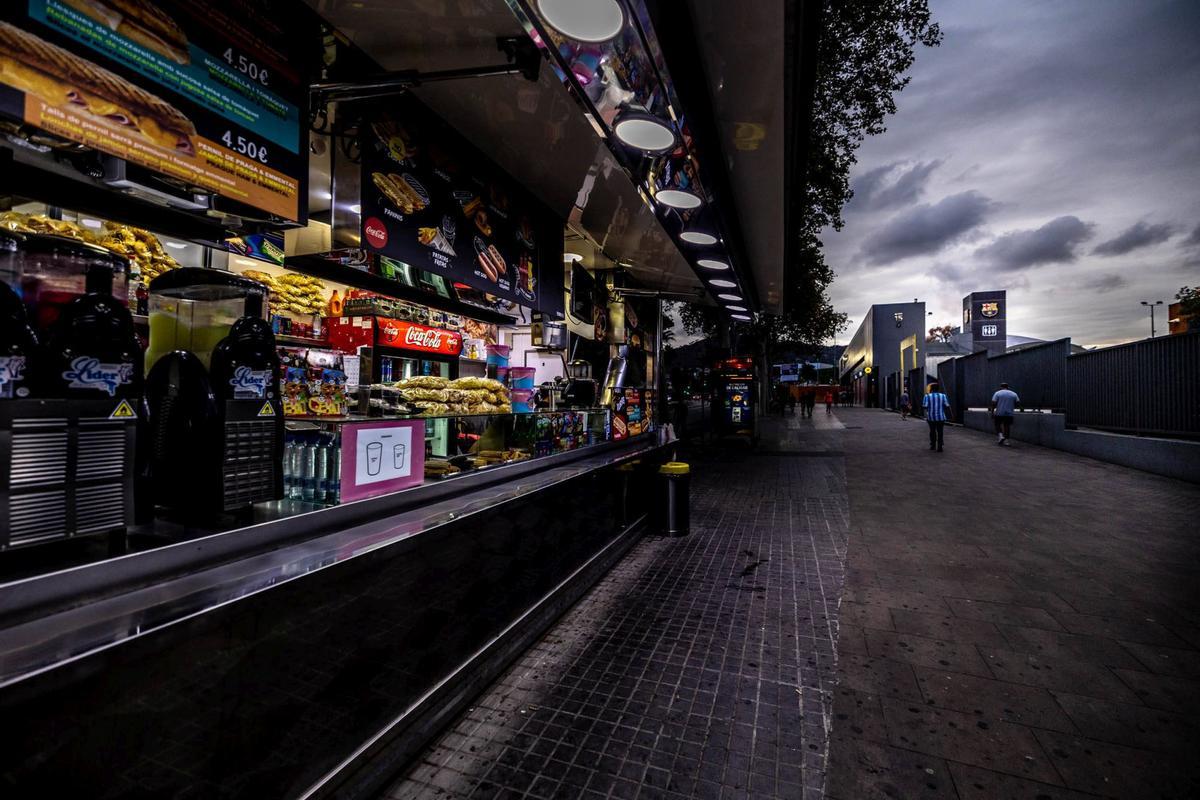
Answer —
(1048, 148)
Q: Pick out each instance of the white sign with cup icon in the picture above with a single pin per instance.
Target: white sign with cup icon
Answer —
(384, 454)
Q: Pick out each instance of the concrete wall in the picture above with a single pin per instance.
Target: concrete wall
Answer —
(1173, 458)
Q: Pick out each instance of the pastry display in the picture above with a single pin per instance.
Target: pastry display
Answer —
(139, 246)
(292, 292)
(64, 80)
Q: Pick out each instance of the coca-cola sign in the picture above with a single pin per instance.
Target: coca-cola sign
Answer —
(410, 336)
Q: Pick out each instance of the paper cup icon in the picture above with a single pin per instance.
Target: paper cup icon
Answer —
(398, 455)
(374, 457)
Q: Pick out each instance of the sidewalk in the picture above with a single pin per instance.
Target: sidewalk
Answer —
(1013, 623)
(700, 667)
(1017, 622)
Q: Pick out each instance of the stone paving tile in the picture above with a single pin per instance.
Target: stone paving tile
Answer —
(699, 667)
(968, 738)
(992, 699)
(1058, 674)
(973, 783)
(925, 651)
(1066, 660)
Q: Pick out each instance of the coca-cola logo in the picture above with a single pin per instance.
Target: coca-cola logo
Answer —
(375, 232)
(418, 337)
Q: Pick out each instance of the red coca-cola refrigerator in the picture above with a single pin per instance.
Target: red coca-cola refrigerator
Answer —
(393, 349)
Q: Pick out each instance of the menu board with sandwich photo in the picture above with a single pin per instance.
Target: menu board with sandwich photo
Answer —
(210, 93)
(431, 200)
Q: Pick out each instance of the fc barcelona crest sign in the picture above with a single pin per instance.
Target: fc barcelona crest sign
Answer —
(989, 309)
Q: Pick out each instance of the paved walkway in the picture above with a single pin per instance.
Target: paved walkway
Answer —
(1012, 623)
(1017, 622)
(700, 667)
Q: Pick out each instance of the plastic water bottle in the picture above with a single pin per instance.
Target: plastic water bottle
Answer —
(321, 471)
(333, 485)
(308, 472)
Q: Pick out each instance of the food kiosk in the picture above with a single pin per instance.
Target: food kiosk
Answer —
(270, 516)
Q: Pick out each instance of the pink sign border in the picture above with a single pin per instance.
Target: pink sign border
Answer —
(351, 491)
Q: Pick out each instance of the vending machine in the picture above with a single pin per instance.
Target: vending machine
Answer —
(734, 397)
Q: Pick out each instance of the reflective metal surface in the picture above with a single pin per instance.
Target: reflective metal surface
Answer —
(535, 132)
(742, 46)
(48, 641)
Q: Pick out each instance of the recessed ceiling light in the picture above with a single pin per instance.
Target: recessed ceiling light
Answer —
(176, 245)
(709, 263)
(356, 209)
(677, 198)
(583, 20)
(730, 296)
(736, 308)
(644, 132)
(743, 317)
(724, 284)
(570, 257)
(698, 237)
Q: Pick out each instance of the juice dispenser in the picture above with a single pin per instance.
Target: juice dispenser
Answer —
(74, 364)
(213, 398)
(193, 309)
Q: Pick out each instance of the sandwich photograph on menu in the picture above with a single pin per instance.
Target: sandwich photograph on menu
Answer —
(207, 93)
(63, 80)
(141, 21)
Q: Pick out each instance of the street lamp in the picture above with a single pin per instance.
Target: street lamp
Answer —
(1152, 305)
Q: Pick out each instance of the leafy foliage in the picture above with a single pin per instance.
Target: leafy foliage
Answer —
(941, 333)
(1189, 300)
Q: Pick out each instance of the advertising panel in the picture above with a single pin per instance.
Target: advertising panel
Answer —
(411, 336)
(431, 200)
(206, 92)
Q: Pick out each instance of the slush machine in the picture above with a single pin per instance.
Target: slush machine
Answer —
(212, 393)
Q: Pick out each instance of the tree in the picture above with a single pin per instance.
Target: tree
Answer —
(941, 333)
(1189, 300)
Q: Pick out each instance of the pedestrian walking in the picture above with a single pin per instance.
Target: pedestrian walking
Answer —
(905, 405)
(810, 402)
(937, 412)
(1003, 405)
(829, 402)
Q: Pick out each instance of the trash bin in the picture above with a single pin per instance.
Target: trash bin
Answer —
(675, 505)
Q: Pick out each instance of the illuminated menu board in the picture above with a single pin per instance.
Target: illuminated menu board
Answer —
(207, 92)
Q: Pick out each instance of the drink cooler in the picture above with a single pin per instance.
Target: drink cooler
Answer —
(66, 470)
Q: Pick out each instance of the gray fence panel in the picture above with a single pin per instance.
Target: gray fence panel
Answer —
(916, 389)
(949, 375)
(1149, 387)
(975, 381)
(1038, 374)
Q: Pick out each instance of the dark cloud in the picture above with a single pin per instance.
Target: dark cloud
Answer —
(1104, 283)
(1133, 238)
(1054, 242)
(926, 229)
(1193, 238)
(891, 186)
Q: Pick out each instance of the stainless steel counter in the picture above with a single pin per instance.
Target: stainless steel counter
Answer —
(50, 621)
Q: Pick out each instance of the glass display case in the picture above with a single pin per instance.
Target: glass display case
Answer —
(331, 461)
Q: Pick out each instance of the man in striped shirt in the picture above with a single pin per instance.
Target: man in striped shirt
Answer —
(937, 411)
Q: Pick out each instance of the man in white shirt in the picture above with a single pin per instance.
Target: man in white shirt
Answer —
(1003, 407)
